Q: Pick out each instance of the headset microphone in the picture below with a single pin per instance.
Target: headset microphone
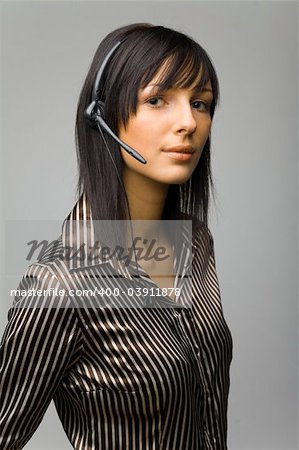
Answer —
(95, 112)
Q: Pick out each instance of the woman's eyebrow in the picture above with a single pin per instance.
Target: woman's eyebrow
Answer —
(152, 85)
(195, 90)
(204, 89)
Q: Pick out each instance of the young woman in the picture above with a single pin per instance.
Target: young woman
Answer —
(142, 361)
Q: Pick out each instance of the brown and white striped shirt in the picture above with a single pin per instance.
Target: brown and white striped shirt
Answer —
(154, 377)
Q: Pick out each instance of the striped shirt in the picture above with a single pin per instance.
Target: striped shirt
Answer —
(141, 377)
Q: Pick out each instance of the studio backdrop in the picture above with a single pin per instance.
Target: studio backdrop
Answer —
(46, 50)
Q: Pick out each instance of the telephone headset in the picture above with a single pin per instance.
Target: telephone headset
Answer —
(95, 112)
(94, 115)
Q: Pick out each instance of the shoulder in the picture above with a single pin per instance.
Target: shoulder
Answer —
(202, 237)
(49, 260)
(43, 282)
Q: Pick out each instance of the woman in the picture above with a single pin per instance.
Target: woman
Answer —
(129, 365)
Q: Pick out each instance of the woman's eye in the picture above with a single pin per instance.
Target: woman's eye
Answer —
(200, 105)
(155, 101)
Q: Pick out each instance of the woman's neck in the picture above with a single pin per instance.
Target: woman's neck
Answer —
(146, 197)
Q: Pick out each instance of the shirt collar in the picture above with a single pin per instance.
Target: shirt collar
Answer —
(78, 239)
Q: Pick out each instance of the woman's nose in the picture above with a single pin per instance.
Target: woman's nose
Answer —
(184, 119)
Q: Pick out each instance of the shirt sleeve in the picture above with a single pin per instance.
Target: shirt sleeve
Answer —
(37, 348)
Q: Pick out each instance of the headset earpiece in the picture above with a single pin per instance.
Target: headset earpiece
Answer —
(100, 109)
(93, 111)
(94, 114)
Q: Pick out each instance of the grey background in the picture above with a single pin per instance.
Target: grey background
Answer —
(46, 49)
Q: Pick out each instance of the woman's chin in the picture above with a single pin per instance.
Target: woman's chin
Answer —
(180, 177)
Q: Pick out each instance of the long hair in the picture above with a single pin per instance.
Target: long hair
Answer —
(132, 66)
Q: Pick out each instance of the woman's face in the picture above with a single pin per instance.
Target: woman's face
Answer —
(176, 117)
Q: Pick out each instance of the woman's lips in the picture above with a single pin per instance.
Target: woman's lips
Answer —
(180, 156)
(180, 152)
